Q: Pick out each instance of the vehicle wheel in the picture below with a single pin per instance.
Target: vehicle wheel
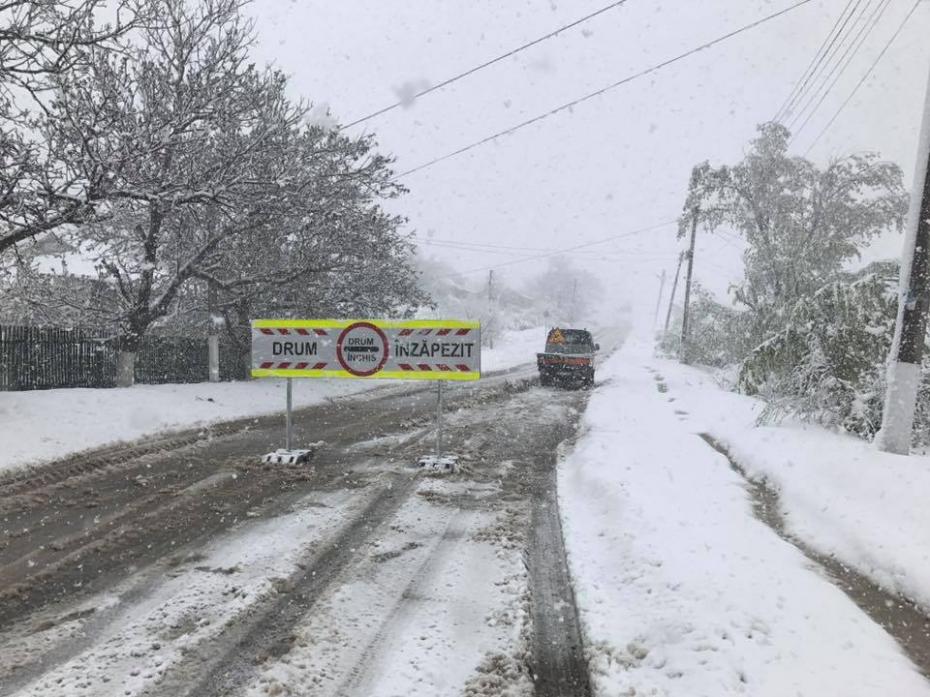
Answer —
(545, 380)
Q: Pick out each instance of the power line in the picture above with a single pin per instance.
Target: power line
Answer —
(486, 64)
(575, 247)
(783, 109)
(835, 40)
(829, 68)
(597, 93)
(803, 99)
(865, 77)
(840, 68)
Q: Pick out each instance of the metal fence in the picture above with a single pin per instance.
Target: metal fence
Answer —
(37, 358)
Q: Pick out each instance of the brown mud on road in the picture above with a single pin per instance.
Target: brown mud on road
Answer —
(192, 568)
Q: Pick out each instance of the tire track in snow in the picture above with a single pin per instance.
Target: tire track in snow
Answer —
(560, 668)
(269, 632)
(364, 670)
(66, 564)
(149, 625)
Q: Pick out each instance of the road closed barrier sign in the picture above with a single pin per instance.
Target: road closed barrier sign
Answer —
(366, 348)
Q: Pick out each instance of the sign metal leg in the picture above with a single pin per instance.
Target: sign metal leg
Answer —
(288, 438)
(437, 462)
(439, 418)
(288, 455)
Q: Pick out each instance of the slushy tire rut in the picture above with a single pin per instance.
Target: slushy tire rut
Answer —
(559, 665)
(270, 634)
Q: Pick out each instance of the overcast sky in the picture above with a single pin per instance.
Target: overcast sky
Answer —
(613, 165)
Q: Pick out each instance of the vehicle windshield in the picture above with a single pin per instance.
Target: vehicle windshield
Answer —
(569, 341)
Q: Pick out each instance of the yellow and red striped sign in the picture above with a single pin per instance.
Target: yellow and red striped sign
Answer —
(398, 349)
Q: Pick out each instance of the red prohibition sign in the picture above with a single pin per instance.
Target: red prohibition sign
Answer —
(341, 357)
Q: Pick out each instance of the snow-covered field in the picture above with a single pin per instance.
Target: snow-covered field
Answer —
(513, 347)
(681, 590)
(838, 493)
(48, 424)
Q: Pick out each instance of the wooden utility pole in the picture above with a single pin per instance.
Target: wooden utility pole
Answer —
(687, 309)
(671, 300)
(659, 299)
(907, 348)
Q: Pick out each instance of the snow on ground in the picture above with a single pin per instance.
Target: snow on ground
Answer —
(49, 424)
(513, 347)
(837, 492)
(148, 624)
(681, 590)
(424, 609)
(44, 425)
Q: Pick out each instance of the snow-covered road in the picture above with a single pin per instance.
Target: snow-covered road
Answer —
(198, 571)
(681, 590)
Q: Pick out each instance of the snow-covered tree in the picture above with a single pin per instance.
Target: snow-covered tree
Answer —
(209, 173)
(41, 42)
(809, 336)
(346, 260)
(802, 224)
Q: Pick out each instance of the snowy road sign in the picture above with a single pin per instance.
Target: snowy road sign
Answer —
(396, 349)
(362, 349)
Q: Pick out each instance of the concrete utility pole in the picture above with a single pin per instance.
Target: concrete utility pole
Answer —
(671, 300)
(655, 319)
(911, 326)
(685, 317)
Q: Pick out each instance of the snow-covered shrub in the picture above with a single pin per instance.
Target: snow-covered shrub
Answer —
(827, 362)
(718, 336)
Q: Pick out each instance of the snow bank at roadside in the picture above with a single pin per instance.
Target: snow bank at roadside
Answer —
(837, 493)
(42, 425)
(49, 424)
(513, 347)
(681, 590)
